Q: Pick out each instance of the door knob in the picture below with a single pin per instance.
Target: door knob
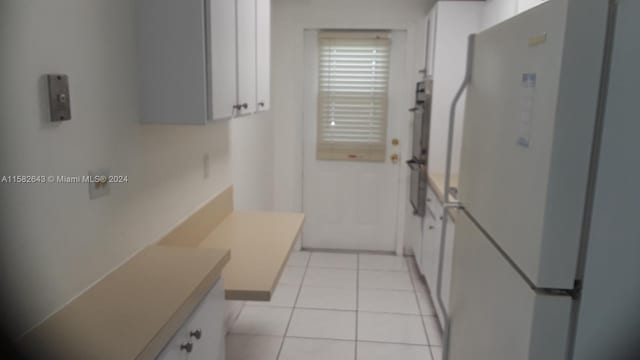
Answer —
(394, 158)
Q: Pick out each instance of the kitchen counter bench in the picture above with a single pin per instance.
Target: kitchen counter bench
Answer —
(259, 242)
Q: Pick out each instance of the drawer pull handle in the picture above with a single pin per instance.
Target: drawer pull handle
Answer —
(197, 334)
(188, 347)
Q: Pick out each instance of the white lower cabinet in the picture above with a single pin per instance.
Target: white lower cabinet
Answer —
(431, 259)
(432, 231)
(447, 261)
(202, 337)
(173, 350)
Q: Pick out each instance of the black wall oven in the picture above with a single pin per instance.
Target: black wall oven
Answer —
(420, 148)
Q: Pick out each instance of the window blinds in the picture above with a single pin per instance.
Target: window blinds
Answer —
(352, 96)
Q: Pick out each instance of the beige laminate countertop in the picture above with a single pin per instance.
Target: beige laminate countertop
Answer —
(436, 182)
(260, 243)
(135, 310)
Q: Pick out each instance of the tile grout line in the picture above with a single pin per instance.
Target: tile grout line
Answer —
(293, 309)
(424, 326)
(340, 310)
(364, 341)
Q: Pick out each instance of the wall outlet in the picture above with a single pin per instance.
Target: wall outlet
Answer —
(99, 183)
(206, 165)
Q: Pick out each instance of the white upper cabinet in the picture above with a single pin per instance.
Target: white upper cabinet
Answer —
(431, 42)
(202, 60)
(172, 65)
(247, 59)
(263, 46)
(222, 52)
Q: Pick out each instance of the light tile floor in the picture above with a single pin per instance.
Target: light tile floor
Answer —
(337, 306)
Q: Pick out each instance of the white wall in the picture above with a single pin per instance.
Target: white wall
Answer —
(252, 162)
(55, 241)
(290, 18)
(524, 5)
(500, 10)
(496, 11)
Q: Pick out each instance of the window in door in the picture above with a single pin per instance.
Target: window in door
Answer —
(353, 95)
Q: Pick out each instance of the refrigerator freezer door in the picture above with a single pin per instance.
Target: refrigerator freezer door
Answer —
(528, 131)
(495, 315)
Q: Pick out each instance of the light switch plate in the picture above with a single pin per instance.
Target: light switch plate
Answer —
(59, 97)
(99, 183)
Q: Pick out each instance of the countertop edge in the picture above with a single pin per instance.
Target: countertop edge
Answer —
(438, 190)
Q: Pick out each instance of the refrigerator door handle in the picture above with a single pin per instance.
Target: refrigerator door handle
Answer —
(452, 117)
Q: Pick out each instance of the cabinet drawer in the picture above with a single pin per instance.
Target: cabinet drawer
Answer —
(202, 337)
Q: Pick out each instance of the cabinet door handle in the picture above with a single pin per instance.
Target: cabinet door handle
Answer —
(237, 107)
(430, 227)
(188, 347)
(261, 104)
(245, 106)
(197, 334)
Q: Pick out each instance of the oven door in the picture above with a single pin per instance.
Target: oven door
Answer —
(418, 186)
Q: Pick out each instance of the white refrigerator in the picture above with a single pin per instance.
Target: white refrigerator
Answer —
(534, 118)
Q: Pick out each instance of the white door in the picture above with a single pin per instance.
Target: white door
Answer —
(352, 204)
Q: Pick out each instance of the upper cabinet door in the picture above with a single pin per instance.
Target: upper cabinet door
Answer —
(246, 15)
(263, 36)
(172, 65)
(222, 58)
(431, 41)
